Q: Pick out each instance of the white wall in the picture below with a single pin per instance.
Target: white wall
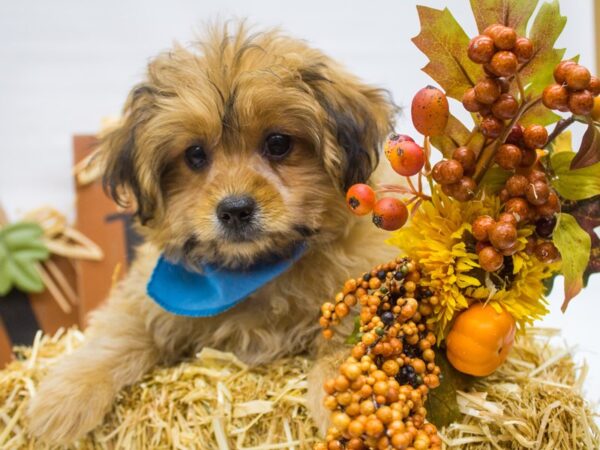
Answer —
(66, 64)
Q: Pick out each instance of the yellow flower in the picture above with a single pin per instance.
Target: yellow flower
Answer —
(435, 239)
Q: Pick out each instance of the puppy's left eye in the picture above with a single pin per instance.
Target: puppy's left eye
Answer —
(277, 146)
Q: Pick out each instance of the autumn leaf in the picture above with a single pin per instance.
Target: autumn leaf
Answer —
(455, 135)
(445, 43)
(574, 245)
(537, 73)
(512, 13)
(442, 406)
(574, 184)
(589, 150)
(587, 214)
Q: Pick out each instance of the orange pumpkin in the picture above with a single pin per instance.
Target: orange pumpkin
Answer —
(480, 339)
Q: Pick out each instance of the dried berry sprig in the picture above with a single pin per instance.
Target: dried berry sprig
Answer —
(377, 399)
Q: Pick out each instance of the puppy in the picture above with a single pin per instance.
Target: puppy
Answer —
(238, 147)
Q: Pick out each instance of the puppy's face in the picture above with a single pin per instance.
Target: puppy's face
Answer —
(243, 147)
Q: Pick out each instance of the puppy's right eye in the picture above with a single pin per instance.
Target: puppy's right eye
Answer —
(195, 157)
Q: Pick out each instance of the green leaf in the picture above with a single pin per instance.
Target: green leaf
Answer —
(576, 184)
(587, 214)
(20, 234)
(563, 142)
(512, 13)
(539, 115)
(574, 245)
(589, 150)
(455, 135)
(494, 179)
(442, 407)
(21, 247)
(24, 275)
(445, 43)
(547, 26)
(356, 335)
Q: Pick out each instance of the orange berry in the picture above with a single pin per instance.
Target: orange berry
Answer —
(481, 49)
(504, 63)
(430, 111)
(577, 77)
(360, 198)
(390, 214)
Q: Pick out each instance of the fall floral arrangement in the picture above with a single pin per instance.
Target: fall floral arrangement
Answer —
(481, 234)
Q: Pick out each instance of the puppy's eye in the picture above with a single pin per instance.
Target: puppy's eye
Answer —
(277, 146)
(195, 157)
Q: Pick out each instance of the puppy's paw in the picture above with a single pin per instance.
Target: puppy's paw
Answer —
(66, 407)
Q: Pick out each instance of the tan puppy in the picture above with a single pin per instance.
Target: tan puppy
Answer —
(237, 147)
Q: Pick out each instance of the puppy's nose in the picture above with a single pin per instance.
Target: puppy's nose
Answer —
(236, 211)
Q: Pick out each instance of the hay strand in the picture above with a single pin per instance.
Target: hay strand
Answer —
(214, 401)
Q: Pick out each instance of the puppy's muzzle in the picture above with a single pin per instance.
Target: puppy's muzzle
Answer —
(237, 215)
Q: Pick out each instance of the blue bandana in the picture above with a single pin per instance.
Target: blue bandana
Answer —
(183, 292)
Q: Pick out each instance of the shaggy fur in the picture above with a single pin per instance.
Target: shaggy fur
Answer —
(227, 94)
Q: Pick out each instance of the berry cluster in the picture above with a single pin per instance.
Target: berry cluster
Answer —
(407, 158)
(527, 198)
(454, 174)
(574, 90)
(377, 400)
(500, 51)
(389, 213)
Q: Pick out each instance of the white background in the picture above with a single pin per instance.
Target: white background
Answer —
(66, 64)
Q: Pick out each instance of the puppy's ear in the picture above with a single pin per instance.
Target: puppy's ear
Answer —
(359, 117)
(126, 170)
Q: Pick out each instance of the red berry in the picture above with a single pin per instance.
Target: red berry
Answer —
(581, 102)
(594, 86)
(528, 157)
(481, 49)
(390, 213)
(546, 252)
(360, 198)
(518, 207)
(504, 38)
(503, 235)
(538, 193)
(504, 63)
(506, 107)
(551, 207)
(430, 111)
(393, 140)
(481, 227)
(535, 136)
(447, 172)
(491, 126)
(523, 49)
(466, 157)
(407, 158)
(560, 71)
(517, 185)
(508, 156)
(515, 136)
(577, 77)
(490, 259)
(464, 190)
(556, 96)
(487, 91)
(470, 101)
